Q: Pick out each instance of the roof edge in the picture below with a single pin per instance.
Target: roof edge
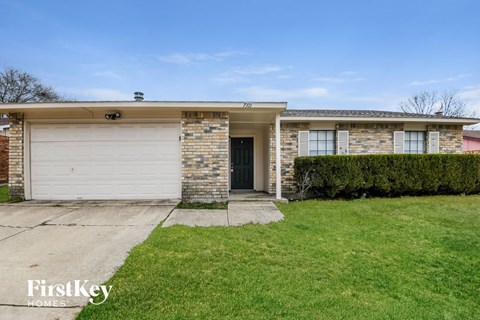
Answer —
(463, 121)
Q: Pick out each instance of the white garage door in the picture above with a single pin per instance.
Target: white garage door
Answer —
(105, 161)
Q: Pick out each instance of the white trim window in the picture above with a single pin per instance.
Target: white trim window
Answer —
(414, 142)
(322, 142)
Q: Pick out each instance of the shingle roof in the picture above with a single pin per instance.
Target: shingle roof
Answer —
(328, 113)
(475, 134)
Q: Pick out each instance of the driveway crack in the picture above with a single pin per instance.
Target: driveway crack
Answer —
(18, 227)
(16, 234)
(63, 214)
(168, 216)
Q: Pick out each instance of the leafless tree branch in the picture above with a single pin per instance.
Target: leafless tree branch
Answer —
(429, 102)
(422, 102)
(18, 86)
(451, 105)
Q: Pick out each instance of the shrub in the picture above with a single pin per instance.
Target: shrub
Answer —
(390, 175)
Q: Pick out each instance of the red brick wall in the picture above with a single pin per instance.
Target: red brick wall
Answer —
(3, 159)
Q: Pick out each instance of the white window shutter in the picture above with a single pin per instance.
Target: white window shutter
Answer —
(433, 142)
(398, 141)
(343, 142)
(303, 143)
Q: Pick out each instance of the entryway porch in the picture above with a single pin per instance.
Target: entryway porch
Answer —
(254, 153)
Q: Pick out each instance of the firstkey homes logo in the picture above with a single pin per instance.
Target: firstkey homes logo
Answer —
(42, 294)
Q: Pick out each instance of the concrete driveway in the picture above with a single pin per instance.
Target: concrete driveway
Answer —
(60, 242)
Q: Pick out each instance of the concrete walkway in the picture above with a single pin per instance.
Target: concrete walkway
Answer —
(238, 214)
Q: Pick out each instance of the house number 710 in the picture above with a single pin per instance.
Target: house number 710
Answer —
(247, 105)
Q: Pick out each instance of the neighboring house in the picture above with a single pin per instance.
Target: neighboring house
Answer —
(197, 151)
(3, 159)
(4, 133)
(4, 127)
(471, 141)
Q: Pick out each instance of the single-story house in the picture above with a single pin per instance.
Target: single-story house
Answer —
(197, 151)
(471, 141)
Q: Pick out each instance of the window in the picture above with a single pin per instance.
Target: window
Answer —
(414, 142)
(322, 142)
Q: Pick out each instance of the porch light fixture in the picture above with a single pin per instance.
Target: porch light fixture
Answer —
(113, 116)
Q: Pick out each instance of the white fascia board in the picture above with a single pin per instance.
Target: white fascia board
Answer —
(382, 120)
(185, 105)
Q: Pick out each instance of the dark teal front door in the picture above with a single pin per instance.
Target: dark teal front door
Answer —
(242, 163)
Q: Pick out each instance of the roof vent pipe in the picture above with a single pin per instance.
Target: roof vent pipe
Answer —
(439, 113)
(138, 96)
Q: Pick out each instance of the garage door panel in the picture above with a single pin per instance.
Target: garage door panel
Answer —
(149, 149)
(168, 132)
(98, 161)
(83, 190)
(126, 171)
(104, 189)
(103, 150)
(126, 189)
(146, 131)
(62, 190)
(147, 170)
(41, 189)
(42, 170)
(104, 170)
(60, 170)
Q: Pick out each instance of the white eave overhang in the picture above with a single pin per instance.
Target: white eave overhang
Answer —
(454, 121)
(236, 106)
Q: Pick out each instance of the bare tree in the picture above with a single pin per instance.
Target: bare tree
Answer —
(422, 102)
(451, 105)
(18, 86)
(429, 102)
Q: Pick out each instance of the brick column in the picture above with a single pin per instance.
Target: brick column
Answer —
(16, 176)
(205, 168)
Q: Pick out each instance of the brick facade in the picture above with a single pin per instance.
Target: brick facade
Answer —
(451, 138)
(3, 159)
(370, 138)
(289, 151)
(16, 176)
(364, 138)
(205, 168)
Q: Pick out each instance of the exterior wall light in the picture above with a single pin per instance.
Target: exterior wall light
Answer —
(113, 116)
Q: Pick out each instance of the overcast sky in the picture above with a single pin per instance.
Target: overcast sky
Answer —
(314, 54)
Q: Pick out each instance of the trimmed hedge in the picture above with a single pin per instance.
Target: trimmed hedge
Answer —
(389, 175)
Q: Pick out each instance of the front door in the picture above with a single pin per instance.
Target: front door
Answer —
(242, 163)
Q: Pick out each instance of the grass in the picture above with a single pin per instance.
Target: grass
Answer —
(405, 258)
(200, 205)
(3, 194)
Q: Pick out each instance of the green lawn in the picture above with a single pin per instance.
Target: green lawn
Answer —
(3, 194)
(408, 258)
